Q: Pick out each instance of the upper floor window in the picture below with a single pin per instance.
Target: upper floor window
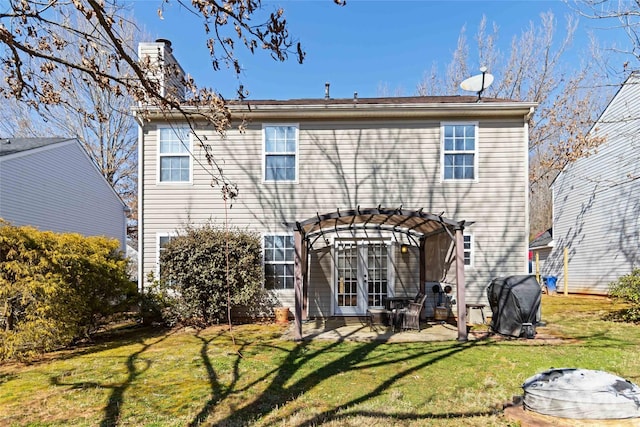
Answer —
(279, 260)
(459, 151)
(280, 152)
(174, 159)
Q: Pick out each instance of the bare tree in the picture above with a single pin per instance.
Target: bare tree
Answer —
(101, 120)
(37, 37)
(617, 16)
(536, 69)
(17, 121)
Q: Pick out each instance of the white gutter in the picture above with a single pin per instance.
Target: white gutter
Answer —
(355, 111)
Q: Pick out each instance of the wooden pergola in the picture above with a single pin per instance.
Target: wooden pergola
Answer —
(416, 224)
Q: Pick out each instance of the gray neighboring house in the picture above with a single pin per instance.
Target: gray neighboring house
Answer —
(356, 199)
(52, 184)
(596, 202)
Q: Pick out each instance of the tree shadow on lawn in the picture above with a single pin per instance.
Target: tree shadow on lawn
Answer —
(277, 394)
(217, 390)
(103, 342)
(6, 378)
(115, 402)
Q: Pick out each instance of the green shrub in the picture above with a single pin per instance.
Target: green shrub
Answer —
(627, 288)
(157, 303)
(194, 270)
(56, 287)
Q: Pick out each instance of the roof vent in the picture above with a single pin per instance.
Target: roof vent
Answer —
(326, 90)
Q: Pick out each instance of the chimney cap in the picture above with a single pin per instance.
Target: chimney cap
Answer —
(166, 42)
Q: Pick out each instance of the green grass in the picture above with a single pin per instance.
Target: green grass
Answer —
(145, 377)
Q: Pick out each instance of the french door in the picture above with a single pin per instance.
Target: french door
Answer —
(363, 276)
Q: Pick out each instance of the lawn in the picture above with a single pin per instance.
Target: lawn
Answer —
(147, 377)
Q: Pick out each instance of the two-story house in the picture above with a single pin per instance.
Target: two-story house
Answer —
(356, 199)
(596, 202)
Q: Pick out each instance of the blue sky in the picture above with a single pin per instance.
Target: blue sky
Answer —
(366, 45)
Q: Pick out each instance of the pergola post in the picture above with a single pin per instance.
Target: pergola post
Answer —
(423, 264)
(460, 285)
(423, 270)
(299, 268)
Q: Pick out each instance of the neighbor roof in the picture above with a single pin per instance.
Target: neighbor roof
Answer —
(543, 240)
(17, 145)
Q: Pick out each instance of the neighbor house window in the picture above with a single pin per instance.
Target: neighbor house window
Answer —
(459, 151)
(278, 261)
(174, 155)
(280, 152)
(468, 250)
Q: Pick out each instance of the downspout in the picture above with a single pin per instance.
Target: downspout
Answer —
(527, 117)
(140, 269)
(460, 283)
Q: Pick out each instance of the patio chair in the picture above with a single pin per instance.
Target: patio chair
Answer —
(419, 296)
(411, 314)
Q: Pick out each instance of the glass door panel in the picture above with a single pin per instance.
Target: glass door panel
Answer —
(347, 286)
(377, 273)
(362, 276)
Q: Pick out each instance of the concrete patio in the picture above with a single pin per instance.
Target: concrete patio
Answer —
(357, 329)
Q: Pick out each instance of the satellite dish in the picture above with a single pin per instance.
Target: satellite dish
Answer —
(477, 83)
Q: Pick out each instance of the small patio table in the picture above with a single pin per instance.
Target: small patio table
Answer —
(377, 316)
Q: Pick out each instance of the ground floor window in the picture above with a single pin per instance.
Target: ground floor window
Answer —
(163, 239)
(468, 250)
(279, 256)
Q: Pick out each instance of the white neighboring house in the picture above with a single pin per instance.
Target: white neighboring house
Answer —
(53, 184)
(596, 202)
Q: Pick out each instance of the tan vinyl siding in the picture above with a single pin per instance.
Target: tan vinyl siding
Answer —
(407, 267)
(321, 275)
(343, 165)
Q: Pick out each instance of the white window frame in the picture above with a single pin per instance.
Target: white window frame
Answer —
(469, 251)
(283, 262)
(460, 152)
(289, 153)
(159, 236)
(188, 145)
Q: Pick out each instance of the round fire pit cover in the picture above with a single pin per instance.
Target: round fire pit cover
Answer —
(581, 394)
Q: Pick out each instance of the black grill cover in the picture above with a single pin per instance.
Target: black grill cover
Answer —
(514, 300)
